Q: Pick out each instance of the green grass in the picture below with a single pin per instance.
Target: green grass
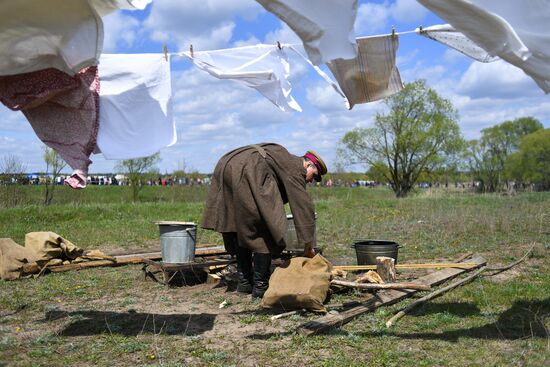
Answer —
(111, 316)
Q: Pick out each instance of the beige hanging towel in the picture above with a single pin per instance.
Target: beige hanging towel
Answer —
(372, 75)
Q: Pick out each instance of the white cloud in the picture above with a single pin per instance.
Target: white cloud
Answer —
(282, 34)
(207, 24)
(325, 98)
(497, 80)
(119, 29)
(372, 18)
(408, 11)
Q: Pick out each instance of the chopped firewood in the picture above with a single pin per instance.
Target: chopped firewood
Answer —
(369, 277)
(385, 267)
(339, 273)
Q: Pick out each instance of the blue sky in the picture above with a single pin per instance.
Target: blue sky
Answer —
(214, 116)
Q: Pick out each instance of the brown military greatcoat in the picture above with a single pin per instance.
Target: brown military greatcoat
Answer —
(250, 186)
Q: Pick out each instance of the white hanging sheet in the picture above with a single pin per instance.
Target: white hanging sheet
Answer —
(447, 35)
(262, 67)
(516, 31)
(372, 75)
(136, 118)
(326, 27)
(62, 34)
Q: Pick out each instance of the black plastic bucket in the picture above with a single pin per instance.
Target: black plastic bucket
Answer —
(368, 250)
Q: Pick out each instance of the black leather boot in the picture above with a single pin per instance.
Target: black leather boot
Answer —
(262, 272)
(244, 270)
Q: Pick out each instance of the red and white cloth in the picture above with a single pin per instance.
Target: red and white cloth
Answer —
(63, 111)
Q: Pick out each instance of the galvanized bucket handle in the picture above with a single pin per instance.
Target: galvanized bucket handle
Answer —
(398, 245)
(188, 230)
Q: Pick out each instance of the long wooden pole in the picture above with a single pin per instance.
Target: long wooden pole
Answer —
(407, 266)
(404, 285)
(432, 295)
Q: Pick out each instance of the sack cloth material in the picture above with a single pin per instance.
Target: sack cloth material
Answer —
(40, 247)
(50, 245)
(303, 284)
(373, 74)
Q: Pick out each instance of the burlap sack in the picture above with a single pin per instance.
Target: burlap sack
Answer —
(12, 259)
(304, 283)
(50, 245)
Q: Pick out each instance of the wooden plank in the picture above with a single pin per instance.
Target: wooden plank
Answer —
(188, 266)
(383, 298)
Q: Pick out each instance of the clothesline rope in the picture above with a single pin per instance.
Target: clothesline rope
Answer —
(282, 45)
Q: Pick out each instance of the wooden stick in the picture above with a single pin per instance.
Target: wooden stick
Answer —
(500, 269)
(408, 266)
(281, 315)
(405, 285)
(432, 295)
(464, 257)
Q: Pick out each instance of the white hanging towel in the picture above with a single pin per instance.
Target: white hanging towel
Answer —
(135, 117)
(262, 67)
(447, 35)
(62, 34)
(516, 31)
(372, 75)
(326, 27)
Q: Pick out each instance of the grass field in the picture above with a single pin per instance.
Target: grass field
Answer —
(112, 316)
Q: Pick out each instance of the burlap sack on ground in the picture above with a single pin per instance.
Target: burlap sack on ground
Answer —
(12, 259)
(304, 283)
(50, 245)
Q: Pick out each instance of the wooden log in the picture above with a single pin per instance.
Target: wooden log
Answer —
(382, 298)
(403, 285)
(385, 267)
(432, 295)
(408, 266)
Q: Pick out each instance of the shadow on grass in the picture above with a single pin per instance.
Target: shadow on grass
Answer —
(454, 308)
(524, 320)
(90, 322)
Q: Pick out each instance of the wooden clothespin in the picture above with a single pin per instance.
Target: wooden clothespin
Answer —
(420, 30)
(392, 31)
(165, 48)
(191, 50)
(279, 45)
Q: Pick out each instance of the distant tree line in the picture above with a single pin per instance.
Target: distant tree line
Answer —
(418, 139)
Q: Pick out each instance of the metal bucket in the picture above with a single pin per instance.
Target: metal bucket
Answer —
(368, 250)
(177, 241)
(291, 239)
